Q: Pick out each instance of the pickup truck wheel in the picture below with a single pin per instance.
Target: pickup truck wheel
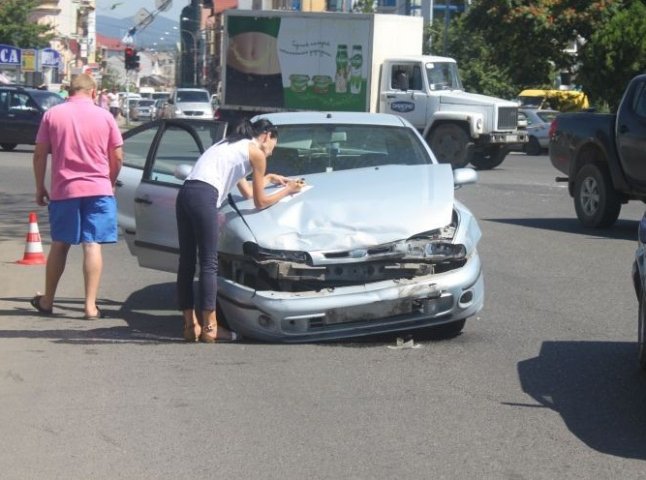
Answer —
(533, 147)
(490, 158)
(596, 203)
(450, 143)
(8, 146)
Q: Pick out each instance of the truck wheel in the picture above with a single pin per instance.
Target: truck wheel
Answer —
(641, 332)
(490, 158)
(450, 143)
(533, 147)
(596, 203)
(8, 146)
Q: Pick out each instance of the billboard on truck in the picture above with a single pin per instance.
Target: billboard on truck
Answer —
(298, 62)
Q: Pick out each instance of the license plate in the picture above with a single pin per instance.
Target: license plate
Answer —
(511, 138)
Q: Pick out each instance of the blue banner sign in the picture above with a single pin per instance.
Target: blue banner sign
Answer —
(10, 56)
(49, 57)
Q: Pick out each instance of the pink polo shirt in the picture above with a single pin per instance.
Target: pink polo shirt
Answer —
(80, 135)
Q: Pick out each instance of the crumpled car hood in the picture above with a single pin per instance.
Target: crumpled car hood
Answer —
(348, 209)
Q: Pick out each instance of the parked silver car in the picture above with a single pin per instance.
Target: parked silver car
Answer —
(375, 243)
(538, 126)
(189, 103)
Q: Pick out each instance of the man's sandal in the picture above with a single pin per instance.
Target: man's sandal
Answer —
(35, 302)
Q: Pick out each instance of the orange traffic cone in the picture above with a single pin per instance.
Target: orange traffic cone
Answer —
(34, 248)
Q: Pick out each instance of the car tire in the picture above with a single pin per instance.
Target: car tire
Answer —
(450, 144)
(490, 158)
(8, 146)
(641, 331)
(449, 330)
(596, 203)
(533, 147)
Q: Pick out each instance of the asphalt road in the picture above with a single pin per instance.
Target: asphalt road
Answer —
(543, 384)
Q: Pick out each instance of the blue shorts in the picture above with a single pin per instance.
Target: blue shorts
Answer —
(84, 220)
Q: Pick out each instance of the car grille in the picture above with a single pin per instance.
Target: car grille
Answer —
(507, 118)
(194, 113)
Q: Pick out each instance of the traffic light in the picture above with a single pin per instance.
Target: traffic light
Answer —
(129, 58)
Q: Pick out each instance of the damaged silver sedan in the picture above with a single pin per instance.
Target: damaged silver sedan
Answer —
(375, 243)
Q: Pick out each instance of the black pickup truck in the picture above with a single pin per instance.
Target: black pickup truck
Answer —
(603, 156)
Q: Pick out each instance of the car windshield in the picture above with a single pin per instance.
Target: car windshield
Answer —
(443, 76)
(307, 149)
(192, 96)
(47, 100)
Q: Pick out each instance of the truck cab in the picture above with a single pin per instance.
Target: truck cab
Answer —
(461, 127)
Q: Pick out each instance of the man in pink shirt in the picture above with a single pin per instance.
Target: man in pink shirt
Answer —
(86, 148)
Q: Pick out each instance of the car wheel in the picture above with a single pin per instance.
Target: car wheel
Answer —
(448, 330)
(490, 158)
(641, 332)
(8, 146)
(533, 147)
(596, 203)
(450, 144)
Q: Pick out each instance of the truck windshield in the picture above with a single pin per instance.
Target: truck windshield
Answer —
(443, 76)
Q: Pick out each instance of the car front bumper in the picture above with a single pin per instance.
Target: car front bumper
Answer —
(345, 312)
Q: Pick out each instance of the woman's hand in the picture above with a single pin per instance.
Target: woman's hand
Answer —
(294, 186)
(277, 179)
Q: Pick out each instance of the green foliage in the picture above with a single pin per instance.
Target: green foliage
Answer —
(528, 37)
(614, 54)
(365, 6)
(17, 30)
(474, 56)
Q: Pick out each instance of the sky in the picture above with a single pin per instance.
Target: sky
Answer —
(129, 8)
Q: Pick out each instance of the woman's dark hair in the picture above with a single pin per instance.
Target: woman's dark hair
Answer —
(247, 129)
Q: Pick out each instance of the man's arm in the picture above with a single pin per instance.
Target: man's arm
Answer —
(116, 160)
(40, 168)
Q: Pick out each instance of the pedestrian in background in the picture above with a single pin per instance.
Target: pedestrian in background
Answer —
(220, 167)
(86, 155)
(113, 103)
(64, 91)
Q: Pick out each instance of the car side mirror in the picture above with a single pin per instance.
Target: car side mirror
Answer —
(464, 176)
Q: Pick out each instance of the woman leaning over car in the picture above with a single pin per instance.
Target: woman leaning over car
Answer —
(222, 166)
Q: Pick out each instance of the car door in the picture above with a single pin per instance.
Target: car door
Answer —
(178, 145)
(631, 132)
(24, 117)
(406, 96)
(137, 144)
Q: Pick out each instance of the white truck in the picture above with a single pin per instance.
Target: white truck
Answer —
(275, 60)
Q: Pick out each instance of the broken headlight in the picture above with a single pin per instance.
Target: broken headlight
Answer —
(444, 251)
(261, 254)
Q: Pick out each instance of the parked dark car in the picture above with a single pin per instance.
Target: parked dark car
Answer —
(21, 109)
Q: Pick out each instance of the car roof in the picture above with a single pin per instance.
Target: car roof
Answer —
(360, 118)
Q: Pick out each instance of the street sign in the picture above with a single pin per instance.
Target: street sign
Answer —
(29, 60)
(163, 5)
(143, 18)
(49, 58)
(9, 55)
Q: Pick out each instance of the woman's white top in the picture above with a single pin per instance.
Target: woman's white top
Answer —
(222, 166)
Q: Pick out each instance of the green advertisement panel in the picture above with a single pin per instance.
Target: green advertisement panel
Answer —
(298, 63)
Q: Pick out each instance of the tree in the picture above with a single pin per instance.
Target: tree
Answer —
(478, 71)
(529, 37)
(365, 6)
(17, 30)
(614, 54)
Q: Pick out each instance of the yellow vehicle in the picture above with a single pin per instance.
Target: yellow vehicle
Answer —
(561, 100)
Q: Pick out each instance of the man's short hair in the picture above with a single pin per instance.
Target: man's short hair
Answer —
(82, 83)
